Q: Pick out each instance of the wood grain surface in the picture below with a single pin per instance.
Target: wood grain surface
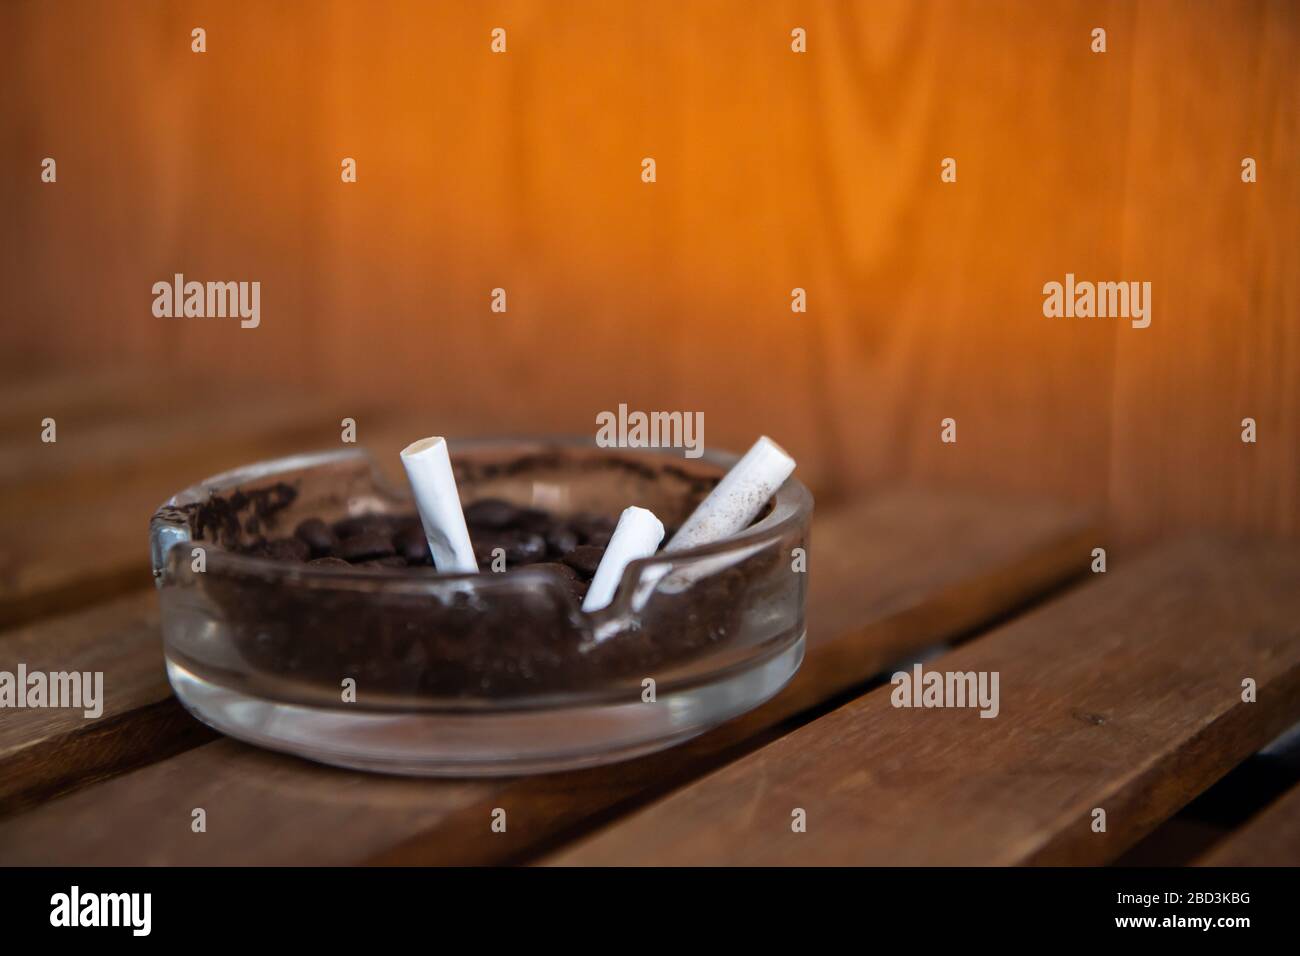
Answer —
(890, 575)
(46, 751)
(776, 170)
(1123, 695)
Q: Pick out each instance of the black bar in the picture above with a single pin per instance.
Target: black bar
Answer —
(449, 909)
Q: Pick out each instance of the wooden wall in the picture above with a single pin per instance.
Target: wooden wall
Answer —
(775, 170)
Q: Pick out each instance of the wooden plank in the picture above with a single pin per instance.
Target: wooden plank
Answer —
(1270, 838)
(1124, 695)
(899, 571)
(47, 751)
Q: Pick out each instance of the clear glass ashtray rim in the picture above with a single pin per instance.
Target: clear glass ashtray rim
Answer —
(791, 510)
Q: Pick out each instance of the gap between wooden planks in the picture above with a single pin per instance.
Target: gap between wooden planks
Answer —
(896, 572)
(1270, 838)
(1125, 695)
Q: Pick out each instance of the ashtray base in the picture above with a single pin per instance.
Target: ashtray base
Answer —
(484, 743)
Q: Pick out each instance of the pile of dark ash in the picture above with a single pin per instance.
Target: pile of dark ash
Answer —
(571, 546)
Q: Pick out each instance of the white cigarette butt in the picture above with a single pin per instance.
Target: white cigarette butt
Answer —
(738, 497)
(428, 467)
(730, 507)
(637, 536)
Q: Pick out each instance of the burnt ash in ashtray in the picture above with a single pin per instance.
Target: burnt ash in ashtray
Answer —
(504, 535)
(492, 643)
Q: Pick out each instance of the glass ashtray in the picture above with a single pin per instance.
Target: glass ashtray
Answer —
(412, 672)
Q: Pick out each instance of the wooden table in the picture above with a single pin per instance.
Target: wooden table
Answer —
(1120, 692)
